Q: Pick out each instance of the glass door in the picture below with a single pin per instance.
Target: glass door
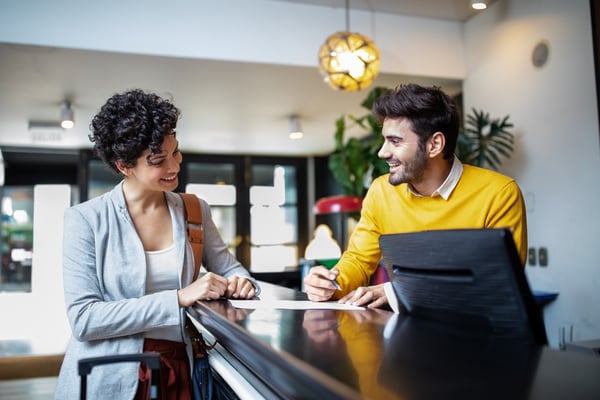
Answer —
(17, 238)
(257, 203)
(275, 194)
(273, 218)
(215, 182)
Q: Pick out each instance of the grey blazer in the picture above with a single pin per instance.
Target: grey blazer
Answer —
(104, 273)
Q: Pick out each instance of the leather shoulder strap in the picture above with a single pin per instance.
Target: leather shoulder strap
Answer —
(195, 232)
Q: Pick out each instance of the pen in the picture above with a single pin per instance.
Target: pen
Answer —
(336, 284)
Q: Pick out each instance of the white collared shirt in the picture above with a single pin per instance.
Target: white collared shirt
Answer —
(446, 188)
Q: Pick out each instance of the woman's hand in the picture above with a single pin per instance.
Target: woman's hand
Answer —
(239, 288)
(209, 287)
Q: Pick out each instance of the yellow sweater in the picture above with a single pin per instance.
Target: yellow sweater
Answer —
(481, 199)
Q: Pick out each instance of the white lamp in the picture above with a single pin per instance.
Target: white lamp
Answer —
(323, 246)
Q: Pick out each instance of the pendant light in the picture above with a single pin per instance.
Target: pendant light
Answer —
(295, 129)
(478, 5)
(67, 119)
(348, 61)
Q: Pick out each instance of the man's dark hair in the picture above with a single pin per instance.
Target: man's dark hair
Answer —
(428, 109)
(128, 124)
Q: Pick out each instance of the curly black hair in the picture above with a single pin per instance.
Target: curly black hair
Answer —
(429, 110)
(128, 124)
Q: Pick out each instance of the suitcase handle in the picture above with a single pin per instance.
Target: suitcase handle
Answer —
(152, 360)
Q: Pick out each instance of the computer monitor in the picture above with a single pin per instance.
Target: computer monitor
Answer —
(468, 277)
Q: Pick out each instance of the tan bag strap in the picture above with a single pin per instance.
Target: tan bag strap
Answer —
(195, 232)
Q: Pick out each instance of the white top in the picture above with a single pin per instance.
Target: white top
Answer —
(161, 274)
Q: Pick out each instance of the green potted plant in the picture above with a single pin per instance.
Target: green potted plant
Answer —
(485, 141)
(354, 162)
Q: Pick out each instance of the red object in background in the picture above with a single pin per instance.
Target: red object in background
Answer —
(338, 204)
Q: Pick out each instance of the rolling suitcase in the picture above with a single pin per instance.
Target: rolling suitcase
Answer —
(151, 359)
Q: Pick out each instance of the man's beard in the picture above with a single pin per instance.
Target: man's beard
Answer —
(412, 170)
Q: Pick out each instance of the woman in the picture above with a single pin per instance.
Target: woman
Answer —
(127, 264)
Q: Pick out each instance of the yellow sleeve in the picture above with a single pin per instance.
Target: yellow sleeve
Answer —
(362, 256)
(509, 212)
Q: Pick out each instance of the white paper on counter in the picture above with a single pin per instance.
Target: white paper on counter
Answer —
(293, 305)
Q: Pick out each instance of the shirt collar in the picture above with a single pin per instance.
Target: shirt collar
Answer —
(447, 187)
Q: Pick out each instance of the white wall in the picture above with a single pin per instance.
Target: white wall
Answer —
(557, 160)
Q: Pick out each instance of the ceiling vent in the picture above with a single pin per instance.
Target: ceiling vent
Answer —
(45, 131)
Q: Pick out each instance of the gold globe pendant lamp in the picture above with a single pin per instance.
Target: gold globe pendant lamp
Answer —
(348, 61)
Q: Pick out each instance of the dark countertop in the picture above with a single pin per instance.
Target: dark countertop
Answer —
(375, 354)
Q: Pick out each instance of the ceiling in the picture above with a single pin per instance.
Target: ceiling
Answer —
(255, 103)
(453, 10)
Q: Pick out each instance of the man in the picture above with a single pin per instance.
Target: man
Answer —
(427, 188)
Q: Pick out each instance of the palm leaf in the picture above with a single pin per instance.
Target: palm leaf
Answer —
(484, 141)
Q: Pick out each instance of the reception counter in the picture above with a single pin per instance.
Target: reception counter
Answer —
(375, 354)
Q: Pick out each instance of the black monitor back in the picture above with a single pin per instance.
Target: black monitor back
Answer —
(468, 277)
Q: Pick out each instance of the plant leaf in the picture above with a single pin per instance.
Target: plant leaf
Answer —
(354, 163)
(484, 141)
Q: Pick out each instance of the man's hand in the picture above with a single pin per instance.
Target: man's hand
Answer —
(318, 285)
(371, 296)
